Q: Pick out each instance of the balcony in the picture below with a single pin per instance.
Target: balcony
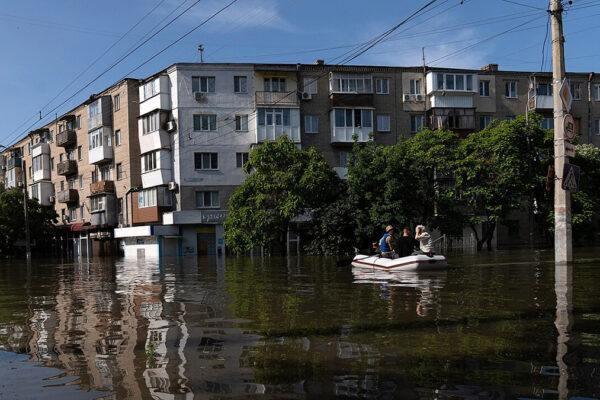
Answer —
(346, 134)
(66, 138)
(67, 167)
(351, 99)
(541, 102)
(14, 162)
(101, 154)
(277, 98)
(68, 196)
(102, 187)
(156, 140)
(39, 149)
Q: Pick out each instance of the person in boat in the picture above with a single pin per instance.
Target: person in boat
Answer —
(386, 244)
(424, 239)
(406, 243)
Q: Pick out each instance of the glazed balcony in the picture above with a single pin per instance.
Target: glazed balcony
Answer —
(102, 187)
(68, 196)
(66, 138)
(276, 98)
(14, 162)
(67, 167)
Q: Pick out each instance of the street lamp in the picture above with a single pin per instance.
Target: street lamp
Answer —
(27, 241)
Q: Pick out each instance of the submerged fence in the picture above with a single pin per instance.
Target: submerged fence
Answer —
(446, 243)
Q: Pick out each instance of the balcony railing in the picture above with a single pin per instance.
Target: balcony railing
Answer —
(67, 167)
(541, 102)
(68, 196)
(102, 187)
(277, 98)
(66, 138)
(14, 162)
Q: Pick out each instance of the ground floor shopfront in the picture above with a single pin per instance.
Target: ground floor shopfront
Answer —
(83, 241)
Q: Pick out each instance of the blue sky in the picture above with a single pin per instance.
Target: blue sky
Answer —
(48, 43)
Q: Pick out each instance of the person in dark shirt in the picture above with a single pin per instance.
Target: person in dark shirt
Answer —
(406, 243)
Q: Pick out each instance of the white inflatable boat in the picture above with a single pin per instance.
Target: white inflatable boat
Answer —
(411, 263)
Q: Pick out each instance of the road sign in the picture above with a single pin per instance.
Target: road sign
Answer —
(569, 149)
(570, 179)
(569, 125)
(565, 94)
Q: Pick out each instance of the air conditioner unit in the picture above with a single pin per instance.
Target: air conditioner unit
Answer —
(171, 126)
(199, 96)
(408, 98)
(173, 185)
(52, 199)
(306, 96)
(420, 97)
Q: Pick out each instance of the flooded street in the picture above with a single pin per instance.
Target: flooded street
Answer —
(487, 328)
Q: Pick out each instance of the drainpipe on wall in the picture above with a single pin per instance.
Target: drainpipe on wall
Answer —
(131, 190)
(589, 106)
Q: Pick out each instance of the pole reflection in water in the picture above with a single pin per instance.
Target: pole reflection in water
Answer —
(564, 324)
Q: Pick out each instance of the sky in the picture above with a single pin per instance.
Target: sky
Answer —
(57, 53)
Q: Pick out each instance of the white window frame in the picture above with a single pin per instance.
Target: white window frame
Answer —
(484, 121)
(484, 88)
(384, 123)
(343, 158)
(274, 84)
(150, 161)
(241, 159)
(382, 86)
(97, 203)
(415, 86)
(597, 92)
(576, 90)
(416, 123)
(204, 84)
(547, 123)
(240, 84)
(214, 198)
(350, 83)
(241, 123)
(455, 79)
(311, 124)
(147, 198)
(117, 102)
(510, 89)
(150, 89)
(353, 123)
(150, 122)
(118, 137)
(208, 122)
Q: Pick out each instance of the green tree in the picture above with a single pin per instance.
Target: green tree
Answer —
(283, 182)
(12, 220)
(497, 168)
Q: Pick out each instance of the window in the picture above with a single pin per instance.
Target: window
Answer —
(78, 122)
(120, 206)
(149, 89)
(343, 158)
(416, 123)
(597, 126)
(597, 92)
(81, 214)
(71, 155)
(543, 89)
(97, 203)
(274, 117)
(484, 121)
(455, 82)
(240, 84)
(37, 163)
(205, 122)
(207, 199)
(51, 138)
(274, 85)
(147, 198)
(511, 118)
(35, 191)
(484, 88)
(548, 123)
(241, 159)
(79, 153)
(80, 183)
(118, 137)
(105, 173)
(576, 91)
(73, 214)
(511, 90)
(203, 84)
(382, 86)
(311, 124)
(383, 123)
(117, 102)
(94, 109)
(310, 85)
(94, 177)
(98, 138)
(351, 83)
(71, 183)
(415, 86)
(206, 160)
(60, 158)
(241, 122)
(149, 162)
(29, 148)
(358, 118)
(51, 163)
(150, 122)
(119, 171)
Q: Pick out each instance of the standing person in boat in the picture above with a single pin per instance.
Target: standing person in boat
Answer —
(386, 245)
(424, 239)
(406, 243)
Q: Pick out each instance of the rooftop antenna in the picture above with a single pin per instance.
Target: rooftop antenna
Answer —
(201, 50)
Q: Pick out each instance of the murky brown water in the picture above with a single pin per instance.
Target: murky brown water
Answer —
(488, 328)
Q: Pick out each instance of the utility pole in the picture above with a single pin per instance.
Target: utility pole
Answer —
(425, 124)
(563, 247)
(27, 241)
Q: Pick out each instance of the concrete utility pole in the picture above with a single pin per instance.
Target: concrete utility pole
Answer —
(25, 198)
(563, 247)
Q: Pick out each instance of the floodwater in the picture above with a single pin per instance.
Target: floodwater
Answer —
(497, 325)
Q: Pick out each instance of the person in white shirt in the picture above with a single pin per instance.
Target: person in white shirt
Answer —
(424, 239)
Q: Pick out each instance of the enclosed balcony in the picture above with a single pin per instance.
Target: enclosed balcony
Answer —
(102, 187)
(67, 167)
(14, 162)
(541, 102)
(66, 138)
(103, 210)
(100, 145)
(68, 196)
(277, 98)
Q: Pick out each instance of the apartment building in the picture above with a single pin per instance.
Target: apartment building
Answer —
(164, 154)
(83, 164)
